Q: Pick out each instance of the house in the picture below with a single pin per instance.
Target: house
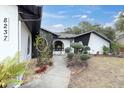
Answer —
(120, 39)
(49, 36)
(93, 39)
(18, 27)
(60, 41)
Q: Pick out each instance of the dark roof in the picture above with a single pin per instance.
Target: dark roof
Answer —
(49, 31)
(31, 15)
(69, 36)
(65, 35)
(97, 33)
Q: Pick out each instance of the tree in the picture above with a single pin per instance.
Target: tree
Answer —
(42, 46)
(73, 30)
(68, 30)
(110, 33)
(97, 27)
(85, 26)
(120, 22)
(115, 48)
(77, 46)
(76, 30)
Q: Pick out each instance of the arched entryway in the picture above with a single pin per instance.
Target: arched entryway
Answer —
(58, 47)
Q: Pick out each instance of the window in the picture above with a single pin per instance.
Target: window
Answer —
(28, 46)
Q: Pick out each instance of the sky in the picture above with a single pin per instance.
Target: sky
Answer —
(56, 18)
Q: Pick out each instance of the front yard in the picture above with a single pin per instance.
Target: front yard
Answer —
(102, 72)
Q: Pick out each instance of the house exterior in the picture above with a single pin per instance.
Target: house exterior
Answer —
(18, 27)
(93, 39)
(120, 39)
(49, 36)
(60, 41)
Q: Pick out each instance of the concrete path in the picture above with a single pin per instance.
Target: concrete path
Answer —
(58, 77)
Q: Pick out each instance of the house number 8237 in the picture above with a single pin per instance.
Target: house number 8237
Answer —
(5, 29)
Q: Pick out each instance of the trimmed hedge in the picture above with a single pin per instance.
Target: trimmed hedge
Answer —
(67, 50)
(70, 55)
(84, 57)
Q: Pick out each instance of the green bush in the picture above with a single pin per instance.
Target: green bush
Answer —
(10, 69)
(77, 46)
(84, 57)
(70, 55)
(43, 49)
(115, 48)
(86, 49)
(67, 50)
(106, 50)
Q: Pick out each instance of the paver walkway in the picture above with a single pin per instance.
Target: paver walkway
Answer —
(58, 77)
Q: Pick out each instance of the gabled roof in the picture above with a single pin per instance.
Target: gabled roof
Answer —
(65, 35)
(49, 31)
(95, 32)
(69, 36)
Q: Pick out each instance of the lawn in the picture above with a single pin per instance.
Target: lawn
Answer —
(102, 72)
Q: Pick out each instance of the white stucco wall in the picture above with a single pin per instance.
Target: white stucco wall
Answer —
(96, 44)
(10, 47)
(24, 41)
(17, 34)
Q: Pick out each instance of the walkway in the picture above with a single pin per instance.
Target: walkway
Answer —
(58, 77)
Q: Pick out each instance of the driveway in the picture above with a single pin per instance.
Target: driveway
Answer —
(58, 77)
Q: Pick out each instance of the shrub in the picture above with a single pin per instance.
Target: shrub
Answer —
(10, 69)
(84, 57)
(77, 46)
(67, 50)
(105, 50)
(115, 48)
(70, 55)
(86, 49)
(44, 52)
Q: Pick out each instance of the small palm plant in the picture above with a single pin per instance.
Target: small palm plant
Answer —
(10, 69)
